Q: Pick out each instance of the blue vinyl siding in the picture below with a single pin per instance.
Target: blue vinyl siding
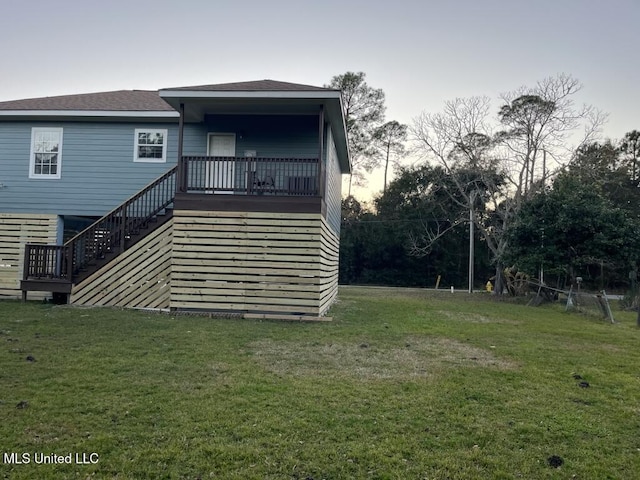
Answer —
(98, 171)
(195, 139)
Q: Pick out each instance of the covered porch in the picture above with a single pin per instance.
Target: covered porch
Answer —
(256, 139)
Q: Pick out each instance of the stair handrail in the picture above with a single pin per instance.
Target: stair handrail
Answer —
(150, 186)
(107, 234)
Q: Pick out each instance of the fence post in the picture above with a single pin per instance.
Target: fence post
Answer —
(25, 266)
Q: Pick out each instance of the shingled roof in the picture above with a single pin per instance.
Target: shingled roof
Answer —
(160, 105)
(254, 86)
(143, 100)
(117, 101)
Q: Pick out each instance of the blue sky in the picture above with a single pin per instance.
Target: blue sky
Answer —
(420, 53)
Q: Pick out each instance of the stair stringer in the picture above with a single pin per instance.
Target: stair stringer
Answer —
(140, 277)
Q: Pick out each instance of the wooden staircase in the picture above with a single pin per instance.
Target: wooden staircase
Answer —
(56, 268)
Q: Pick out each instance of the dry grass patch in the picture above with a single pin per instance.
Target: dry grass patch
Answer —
(416, 356)
(473, 317)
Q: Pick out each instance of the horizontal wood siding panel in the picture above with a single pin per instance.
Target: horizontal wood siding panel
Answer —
(16, 230)
(231, 275)
(330, 246)
(247, 262)
(138, 278)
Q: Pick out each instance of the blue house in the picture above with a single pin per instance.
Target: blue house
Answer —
(220, 198)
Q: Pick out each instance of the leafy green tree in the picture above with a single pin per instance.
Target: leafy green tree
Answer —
(376, 247)
(604, 168)
(576, 228)
(421, 202)
(364, 110)
(630, 150)
(352, 241)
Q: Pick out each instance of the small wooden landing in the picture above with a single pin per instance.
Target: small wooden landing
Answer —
(42, 285)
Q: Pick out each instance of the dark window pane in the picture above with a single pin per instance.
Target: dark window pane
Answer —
(150, 152)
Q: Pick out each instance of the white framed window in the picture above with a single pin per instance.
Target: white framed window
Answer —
(150, 145)
(46, 153)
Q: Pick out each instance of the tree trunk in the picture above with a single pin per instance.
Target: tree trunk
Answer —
(499, 283)
(386, 168)
(638, 303)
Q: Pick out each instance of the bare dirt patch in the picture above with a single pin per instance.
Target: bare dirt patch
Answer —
(415, 357)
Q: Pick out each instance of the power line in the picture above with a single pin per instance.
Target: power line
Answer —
(400, 221)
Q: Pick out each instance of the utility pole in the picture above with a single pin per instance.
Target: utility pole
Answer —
(472, 198)
(544, 168)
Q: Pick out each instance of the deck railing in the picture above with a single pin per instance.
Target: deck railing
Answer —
(250, 175)
(107, 235)
(46, 262)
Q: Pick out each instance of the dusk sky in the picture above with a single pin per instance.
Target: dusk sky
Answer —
(420, 53)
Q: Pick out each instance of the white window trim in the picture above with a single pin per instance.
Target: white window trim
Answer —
(32, 155)
(164, 133)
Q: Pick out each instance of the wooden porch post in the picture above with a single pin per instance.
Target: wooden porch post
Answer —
(181, 173)
(321, 163)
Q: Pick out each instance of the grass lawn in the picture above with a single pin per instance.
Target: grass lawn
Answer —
(401, 385)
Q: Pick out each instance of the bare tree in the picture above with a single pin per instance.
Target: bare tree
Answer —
(456, 139)
(542, 129)
(460, 140)
(492, 173)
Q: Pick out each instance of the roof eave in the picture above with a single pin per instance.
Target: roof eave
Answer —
(298, 94)
(89, 113)
(335, 112)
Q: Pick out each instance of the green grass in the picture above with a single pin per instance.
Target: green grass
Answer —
(401, 385)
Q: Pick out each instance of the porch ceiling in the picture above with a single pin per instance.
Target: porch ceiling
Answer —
(195, 109)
